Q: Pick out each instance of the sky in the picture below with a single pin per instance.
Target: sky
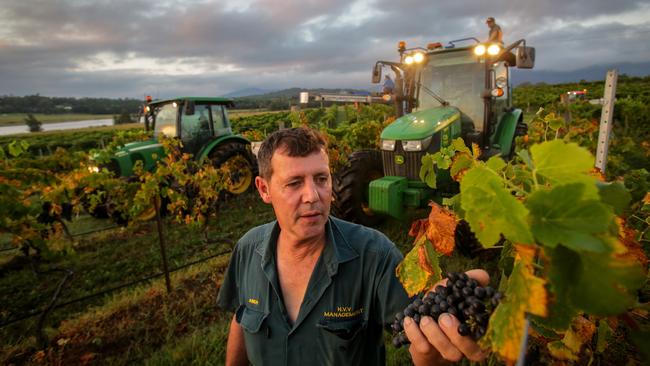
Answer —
(165, 48)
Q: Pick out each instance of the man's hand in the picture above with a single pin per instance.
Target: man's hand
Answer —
(432, 342)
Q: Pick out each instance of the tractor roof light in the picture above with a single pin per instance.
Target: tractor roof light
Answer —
(418, 57)
(401, 46)
(493, 49)
(479, 50)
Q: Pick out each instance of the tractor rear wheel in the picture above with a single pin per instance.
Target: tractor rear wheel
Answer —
(351, 188)
(240, 164)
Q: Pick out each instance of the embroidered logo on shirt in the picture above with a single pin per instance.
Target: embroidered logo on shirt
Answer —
(343, 312)
(253, 301)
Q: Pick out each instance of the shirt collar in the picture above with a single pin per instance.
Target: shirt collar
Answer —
(337, 249)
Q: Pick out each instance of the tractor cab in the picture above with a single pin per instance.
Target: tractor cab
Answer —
(196, 121)
(441, 93)
(202, 125)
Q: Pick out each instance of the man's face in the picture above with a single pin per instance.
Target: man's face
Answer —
(300, 191)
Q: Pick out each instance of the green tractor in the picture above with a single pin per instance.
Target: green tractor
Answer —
(441, 93)
(202, 125)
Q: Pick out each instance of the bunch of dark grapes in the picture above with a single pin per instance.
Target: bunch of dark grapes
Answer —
(463, 297)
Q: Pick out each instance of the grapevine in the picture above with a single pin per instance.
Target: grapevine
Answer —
(569, 257)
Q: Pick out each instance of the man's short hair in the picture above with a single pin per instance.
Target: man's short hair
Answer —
(295, 142)
(490, 20)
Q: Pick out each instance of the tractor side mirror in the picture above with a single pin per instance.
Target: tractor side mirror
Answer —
(525, 57)
(376, 74)
(189, 107)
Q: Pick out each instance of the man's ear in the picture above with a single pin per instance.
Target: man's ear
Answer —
(263, 188)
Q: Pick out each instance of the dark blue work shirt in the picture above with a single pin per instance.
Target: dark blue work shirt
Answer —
(352, 295)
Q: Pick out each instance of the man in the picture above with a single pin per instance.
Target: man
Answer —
(388, 85)
(495, 35)
(309, 289)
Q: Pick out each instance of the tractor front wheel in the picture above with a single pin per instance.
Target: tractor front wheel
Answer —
(240, 166)
(351, 188)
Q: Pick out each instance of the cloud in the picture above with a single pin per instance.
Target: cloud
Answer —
(131, 48)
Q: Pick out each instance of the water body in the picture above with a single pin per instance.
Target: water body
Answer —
(10, 130)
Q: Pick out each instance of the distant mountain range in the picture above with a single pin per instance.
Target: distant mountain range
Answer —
(591, 73)
(519, 76)
(247, 92)
(290, 93)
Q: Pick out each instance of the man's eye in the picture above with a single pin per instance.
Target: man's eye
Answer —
(293, 184)
(322, 180)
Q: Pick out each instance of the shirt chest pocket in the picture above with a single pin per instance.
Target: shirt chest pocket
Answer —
(339, 338)
(256, 334)
(251, 320)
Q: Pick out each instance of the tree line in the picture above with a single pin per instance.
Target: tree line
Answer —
(59, 105)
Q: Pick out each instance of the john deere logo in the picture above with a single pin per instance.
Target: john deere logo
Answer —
(399, 159)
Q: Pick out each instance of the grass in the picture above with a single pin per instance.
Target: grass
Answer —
(14, 119)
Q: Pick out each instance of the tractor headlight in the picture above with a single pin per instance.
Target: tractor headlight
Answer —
(388, 145)
(416, 145)
(418, 57)
(493, 49)
(479, 50)
(408, 60)
(93, 169)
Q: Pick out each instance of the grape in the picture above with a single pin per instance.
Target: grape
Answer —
(463, 329)
(463, 297)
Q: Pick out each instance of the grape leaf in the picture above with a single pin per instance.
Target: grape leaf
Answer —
(597, 283)
(454, 204)
(491, 210)
(419, 270)
(561, 310)
(428, 171)
(562, 162)
(525, 157)
(581, 332)
(556, 123)
(440, 229)
(614, 194)
(460, 163)
(442, 160)
(459, 145)
(526, 294)
(496, 163)
(562, 216)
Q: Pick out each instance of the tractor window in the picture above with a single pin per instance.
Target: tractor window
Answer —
(220, 120)
(196, 125)
(458, 78)
(166, 120)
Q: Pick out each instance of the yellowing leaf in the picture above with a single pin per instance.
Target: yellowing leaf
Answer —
(526, 294)
(419, 270)
(441, 228)
(568, 348)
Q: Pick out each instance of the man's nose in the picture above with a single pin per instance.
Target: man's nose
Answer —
(310, 191)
